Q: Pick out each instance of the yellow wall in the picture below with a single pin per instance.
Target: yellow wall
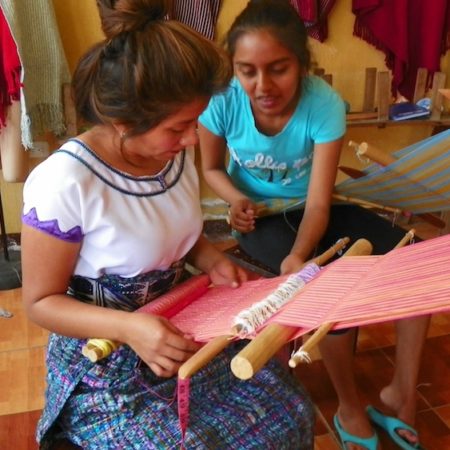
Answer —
(79, 25)
(342, 55)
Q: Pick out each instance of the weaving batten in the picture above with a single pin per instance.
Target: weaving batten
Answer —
(267, 343)
(213, 347)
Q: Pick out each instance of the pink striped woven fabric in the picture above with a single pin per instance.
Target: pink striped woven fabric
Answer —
(352, 291)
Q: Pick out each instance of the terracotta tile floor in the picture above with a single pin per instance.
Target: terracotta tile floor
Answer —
(22, 379)
(373, 369)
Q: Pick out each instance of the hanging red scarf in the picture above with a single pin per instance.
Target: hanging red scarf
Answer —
(411, 33)
(9, 69)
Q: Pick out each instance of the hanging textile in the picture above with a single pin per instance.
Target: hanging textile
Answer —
(411, 33)
(9, 70)
(314, 14)
(201, 15)
(44, 67)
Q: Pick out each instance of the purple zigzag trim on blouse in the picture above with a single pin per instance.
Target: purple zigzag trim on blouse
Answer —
(51, 227)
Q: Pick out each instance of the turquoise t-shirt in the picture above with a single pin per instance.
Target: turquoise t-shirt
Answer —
(279, 166)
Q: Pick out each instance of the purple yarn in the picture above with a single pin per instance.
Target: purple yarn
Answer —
(307, 273)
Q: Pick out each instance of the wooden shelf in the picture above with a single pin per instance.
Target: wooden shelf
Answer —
(378, 98)
(444, 121)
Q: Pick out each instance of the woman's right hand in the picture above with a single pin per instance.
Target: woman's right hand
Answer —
(242, 214)
(162, 346)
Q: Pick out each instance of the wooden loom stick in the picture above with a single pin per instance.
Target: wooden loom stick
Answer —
(219, 343)
(97, 349)
(302, 354)
(203, 356)
(256, 354)
(373, 153)
(366, 204)
(355, 173)
(321, 259)
(407, 238)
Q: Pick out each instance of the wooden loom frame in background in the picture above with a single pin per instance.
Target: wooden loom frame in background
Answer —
(414, 179)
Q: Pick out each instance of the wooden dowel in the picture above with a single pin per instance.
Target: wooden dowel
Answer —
(359, 248)
(366, 204)
(383, 94)
(203, 356)
(369, 89)
(407, 238)
(328, 254)
(272, 338)
(97, 349)
(445, 93)
(436, 98)
(421, 84)
(373, 153)
(256, 354)
(302, 354)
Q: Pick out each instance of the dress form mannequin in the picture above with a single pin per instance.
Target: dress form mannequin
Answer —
(14, 158)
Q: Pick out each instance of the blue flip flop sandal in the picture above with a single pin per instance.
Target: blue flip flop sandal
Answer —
(391, 425)
(370, 443)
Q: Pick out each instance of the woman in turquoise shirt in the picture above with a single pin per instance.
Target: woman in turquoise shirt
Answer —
(284, 129)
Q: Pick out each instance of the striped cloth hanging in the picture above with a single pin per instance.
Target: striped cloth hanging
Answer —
(201, 15)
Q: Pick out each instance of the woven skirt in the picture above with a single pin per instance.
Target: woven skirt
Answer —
(119, 405)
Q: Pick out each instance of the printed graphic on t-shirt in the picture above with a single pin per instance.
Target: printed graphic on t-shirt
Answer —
(269, 169)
